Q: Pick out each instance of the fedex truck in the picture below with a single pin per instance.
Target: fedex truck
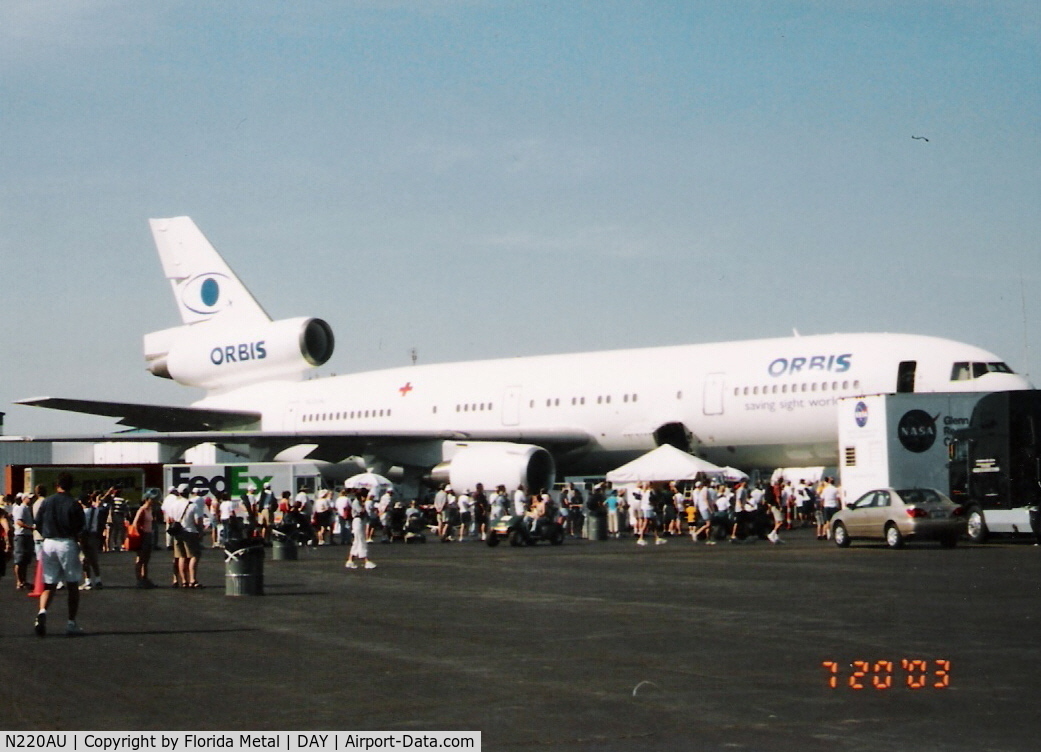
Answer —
(235, 479)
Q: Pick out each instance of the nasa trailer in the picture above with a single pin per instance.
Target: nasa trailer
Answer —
(899, 440)
(980, 449)
(236, 479)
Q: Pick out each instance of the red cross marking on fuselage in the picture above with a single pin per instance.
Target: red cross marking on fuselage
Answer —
(405, 389)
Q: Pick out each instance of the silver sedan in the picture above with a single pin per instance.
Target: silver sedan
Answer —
(897, 515)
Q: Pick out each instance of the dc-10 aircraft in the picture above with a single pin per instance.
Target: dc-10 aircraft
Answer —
(755, 404)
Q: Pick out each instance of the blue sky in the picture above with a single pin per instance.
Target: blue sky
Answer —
(484, 179)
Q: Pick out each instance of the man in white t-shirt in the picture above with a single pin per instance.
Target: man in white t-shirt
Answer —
(465, 504)
(383, 508)
(520, 501)
(187, 547)
(323, 517)
(830, 502)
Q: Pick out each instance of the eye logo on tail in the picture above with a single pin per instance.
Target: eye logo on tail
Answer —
(204, 294)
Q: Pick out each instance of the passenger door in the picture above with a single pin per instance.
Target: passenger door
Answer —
(714, 383)
(511, 406)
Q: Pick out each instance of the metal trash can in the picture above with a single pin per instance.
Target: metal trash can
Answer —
(596, 527)
(283, 548)
(244, 567)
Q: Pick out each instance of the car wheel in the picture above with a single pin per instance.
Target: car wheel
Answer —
(893, 537)
(493, 540)
(977, 528)
(841, 535)
(556, 537)
(517, 538)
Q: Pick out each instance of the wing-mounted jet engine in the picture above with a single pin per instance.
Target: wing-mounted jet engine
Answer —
(492, 463)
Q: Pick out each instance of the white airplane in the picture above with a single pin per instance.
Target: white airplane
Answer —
(755, 404)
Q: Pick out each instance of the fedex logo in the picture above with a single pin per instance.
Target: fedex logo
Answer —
(791, 366)
(239, 353)
(235, 481)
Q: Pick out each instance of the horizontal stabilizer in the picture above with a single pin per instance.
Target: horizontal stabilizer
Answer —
(153, 417)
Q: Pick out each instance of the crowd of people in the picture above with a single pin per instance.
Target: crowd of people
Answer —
(67, 535)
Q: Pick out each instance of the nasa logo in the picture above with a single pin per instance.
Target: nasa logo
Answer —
(917, 431)
(240, 353)
(790, 366)
(204, 294)
(860, 414)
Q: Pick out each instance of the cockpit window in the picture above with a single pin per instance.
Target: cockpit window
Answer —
(964, 371)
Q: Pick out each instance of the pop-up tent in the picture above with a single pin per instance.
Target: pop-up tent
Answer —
(666, 463)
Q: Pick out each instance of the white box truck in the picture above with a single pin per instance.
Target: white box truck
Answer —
(899, 440)
(983, 449)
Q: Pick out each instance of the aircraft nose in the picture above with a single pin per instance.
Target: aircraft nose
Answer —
(1004, 382)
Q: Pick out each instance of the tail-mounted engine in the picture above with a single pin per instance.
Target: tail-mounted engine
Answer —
(219, 357)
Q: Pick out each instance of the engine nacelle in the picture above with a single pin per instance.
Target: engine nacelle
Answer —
(492, 463)
(225, 356)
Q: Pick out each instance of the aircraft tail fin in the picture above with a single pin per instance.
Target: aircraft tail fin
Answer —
(204, 286)
(226, 339)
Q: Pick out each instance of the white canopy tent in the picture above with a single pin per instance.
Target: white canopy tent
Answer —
(733, 475)
(374, 482)
(666, 463)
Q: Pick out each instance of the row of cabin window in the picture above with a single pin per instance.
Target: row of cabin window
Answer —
(479, 407)
(579, 401)
(804, 387)
(352, 415)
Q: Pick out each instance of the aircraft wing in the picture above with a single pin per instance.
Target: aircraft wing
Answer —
(152, 417)
(331, 446)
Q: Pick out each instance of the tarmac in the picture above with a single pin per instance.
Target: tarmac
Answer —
(586, 646)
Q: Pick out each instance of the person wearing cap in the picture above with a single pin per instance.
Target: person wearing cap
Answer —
(173, 496)
(144, 522)
(60, 521)
(187, 546)
(22, 540)
(323, 517)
